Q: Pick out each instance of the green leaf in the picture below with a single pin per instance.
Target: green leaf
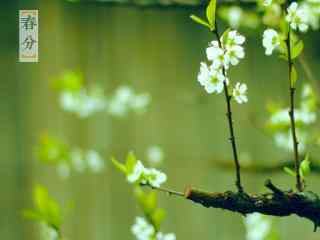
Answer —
(54, 213)
(119, 165)
(305, 167)
(200, 21)
(297, 49)
(151, 201)
(41, 198)
(294, 76)
(224, 36)
(130, 162)
(289, 171)
(211, 13)
(283, 50)
(158, 216)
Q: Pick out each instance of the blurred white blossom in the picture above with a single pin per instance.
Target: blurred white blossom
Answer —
(234, 16)
(285, 141)
(239, 93)
(168, 236)
(155, 155)
(257, 226)
(270, 40)
(48, 233)
(94, 161)
(63, 170)
(77, 161)
(83, 103)
(125, 100)
(80, 161)
(267, 2)
(142, 230)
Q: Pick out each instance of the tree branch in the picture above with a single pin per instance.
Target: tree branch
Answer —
(277, 203)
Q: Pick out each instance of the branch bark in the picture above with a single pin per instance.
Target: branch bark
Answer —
(278, 203)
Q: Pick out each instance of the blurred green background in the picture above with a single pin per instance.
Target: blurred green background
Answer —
(155, 50)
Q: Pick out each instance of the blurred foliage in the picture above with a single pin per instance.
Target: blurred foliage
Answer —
(46, 210)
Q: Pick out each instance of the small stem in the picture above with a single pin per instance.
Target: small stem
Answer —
(166, 190)
(292, 89)
(232, 139)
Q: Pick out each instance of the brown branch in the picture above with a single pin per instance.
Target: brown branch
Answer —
(277, 203)
(232, 139)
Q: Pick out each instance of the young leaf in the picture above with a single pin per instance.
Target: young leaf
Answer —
(297, 49)
(119, 165)
(289, 171)
(130, 162)
(211, 14)
(305, 167)
(200, 21)
(158, 216)
(294, 76)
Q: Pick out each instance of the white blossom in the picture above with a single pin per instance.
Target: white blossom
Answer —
(233, 39)
(154, 177)
(77, 160)
(258, 226)
(297, 17)
(146, 176)
(168, 236)
(137, 172)
(211, 79)
(270, 40)
(235, 53)
(232, 45)
(142, 229)
(217, 56)
(239, 93)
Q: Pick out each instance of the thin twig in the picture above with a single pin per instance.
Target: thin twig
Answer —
(165, 190)
(230, 120)
(292, 89)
